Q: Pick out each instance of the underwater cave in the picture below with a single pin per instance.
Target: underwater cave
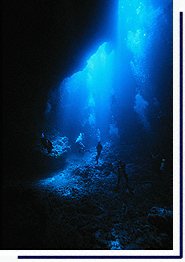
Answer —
(88, 125)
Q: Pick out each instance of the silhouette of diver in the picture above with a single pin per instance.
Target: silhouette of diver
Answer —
(162, 166)
(46, 143)
(79, 143)
(99, 148)
(121, 172)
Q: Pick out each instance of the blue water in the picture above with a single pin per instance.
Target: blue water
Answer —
(86, 95)
(112, 99)
(113, 89)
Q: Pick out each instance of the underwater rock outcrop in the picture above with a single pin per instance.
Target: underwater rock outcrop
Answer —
(60, 146)
(161, 218)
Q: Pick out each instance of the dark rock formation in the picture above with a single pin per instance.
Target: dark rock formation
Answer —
(161, 218)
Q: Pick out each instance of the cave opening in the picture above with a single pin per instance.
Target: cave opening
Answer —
(115, 95)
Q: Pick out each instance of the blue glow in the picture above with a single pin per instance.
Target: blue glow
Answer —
(115, 245)
(137, 32)
(92, 100)
(89, 91)
(141, 107)
(137, 24)
(108, 101)
(70, 184)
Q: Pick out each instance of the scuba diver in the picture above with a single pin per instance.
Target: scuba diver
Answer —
(99, 148)
(162, 166)
(158, 163)
(121, 172)
(46, 143)
(80, 145)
